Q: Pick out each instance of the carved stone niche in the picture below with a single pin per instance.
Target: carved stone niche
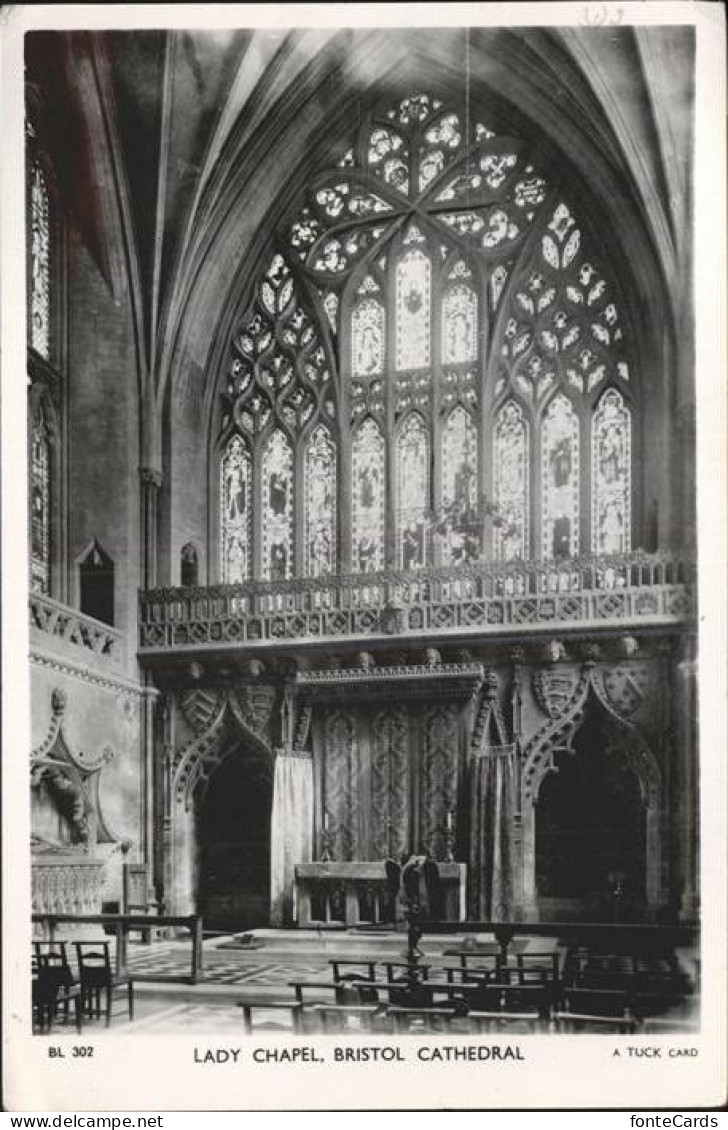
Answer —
(71, 840)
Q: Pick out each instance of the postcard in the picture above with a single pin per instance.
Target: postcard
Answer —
(364, 557)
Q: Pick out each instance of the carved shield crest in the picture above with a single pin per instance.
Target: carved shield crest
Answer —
(199, 707)
(627, 687)
(256, 706)
(554, 690)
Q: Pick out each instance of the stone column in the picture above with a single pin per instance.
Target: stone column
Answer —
(146, 799)
(150, 481)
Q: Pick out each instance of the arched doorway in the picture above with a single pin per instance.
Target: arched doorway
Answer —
(591, 830)
(233, 890)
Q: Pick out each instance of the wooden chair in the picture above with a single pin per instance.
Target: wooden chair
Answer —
(568, 1023)
(526, 1023)
(482, 963)
(505, 997)
(341, 1018)
(337, 966)
(666, 1025)
(96, 977)
(416, 1020)
(530, 968)
(251, 1022)
(392, 969)
(53, 958)
(50, 997)
(596, 1002)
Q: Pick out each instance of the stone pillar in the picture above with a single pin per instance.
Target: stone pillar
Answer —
(147, 778)
(685, 778)
(517, 878)
(150, 481)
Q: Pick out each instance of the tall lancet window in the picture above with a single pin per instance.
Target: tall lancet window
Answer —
(235, 512)
(320, 504)
(367, 338)
(560, 480)
(459, 325)
(413, 493)
(611, 478)
(368, 498)
(510, 478)
(40, 264)
(413, 309)
(277, 509)
(40, 508)
(459, 485)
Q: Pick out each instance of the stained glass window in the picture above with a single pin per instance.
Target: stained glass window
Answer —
(457, 530)
(560, 480)
(459, 325)
(413, 310)
(381, 274)
(413, 492)
(510, 479)
(367, 338)
(320, 504)
(40, 509)
(235, 512)
(40, 264)
(277, 508)
(611, 478)
(368, 498)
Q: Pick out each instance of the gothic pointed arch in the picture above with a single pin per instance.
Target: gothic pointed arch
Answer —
(435, 292)
(192, 764)
(628, 747)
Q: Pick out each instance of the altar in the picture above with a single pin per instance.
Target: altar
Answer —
(349, 894)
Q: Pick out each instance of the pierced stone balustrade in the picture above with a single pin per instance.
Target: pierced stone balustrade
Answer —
(641, 589)
(51, 618)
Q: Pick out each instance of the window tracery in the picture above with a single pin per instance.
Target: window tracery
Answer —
(406, 313)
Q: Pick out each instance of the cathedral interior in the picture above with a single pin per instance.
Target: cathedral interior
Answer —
(361, 473)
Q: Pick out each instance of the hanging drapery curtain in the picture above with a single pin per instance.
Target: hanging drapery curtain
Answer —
(491, 824)
(291, 830)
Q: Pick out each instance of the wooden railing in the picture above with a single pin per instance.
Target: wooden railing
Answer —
(643, 589)
(73, 627)
(122, 925)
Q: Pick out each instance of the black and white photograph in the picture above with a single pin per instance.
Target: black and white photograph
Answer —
(373, 434)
